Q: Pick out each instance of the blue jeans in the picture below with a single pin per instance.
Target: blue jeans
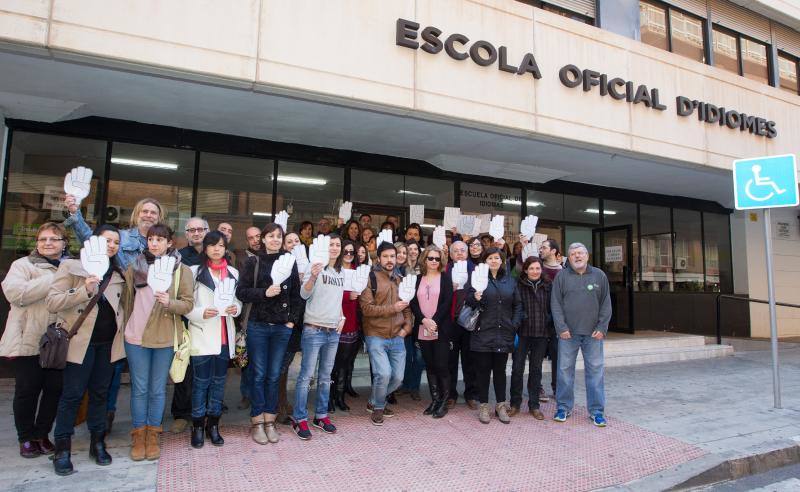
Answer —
(415, 364)
(113, 388)
(593, 372)
(94, 375)
(266, 346)
(149, 371)
(388, 359)
(322, 345)
(208, 383)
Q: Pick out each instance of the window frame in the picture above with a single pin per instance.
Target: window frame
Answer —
(789, 56)
(668, 8)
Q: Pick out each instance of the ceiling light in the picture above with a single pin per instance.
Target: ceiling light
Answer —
(152, 164)
(519, 202)
(262, 214)
(596, 211)
(407, 192)
(301, 180)
(428, 226)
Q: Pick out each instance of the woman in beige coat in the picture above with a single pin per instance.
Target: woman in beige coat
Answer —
(36, 390)
(96, 344)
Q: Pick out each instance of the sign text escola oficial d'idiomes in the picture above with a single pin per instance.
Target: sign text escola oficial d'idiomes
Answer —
(484, 53)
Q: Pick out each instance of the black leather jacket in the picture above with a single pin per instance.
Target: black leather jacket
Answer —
(501, 314)
(284, 308)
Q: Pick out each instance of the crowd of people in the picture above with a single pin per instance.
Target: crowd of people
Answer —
(532, 308)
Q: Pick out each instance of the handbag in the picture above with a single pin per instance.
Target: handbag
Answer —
(182, 347)
(468, 317)
(240, 358)
(54, 344)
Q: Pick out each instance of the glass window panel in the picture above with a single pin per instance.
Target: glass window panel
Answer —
(367, 187)
(725, 51)
(787, 68)
(478, 199)
(236, 190)
(687, 35)
(435, 194)
(545, 205)
(754, 60)
(309, 192)
(653, 25)
(581, 209)
(35, 192)
(578, 234)
(139, 171)
(719, 277)
(624, 214)
(566, 13)
(656, 249)
(688, 264)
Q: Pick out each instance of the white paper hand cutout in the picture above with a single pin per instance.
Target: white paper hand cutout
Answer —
(530, 249)
(78, 182)
(319, 250)
(346, 211)
(407, 288)
(282, 219)
(282, 268)
(496, 229)
(476, 227)
(459, 274)
(225, 295)
(93, 256)
(385, 235)
(300, 258)
(528, 226)
(159, 274)
(480, 277)
(439, 237)
(360, 279)
(466, 223)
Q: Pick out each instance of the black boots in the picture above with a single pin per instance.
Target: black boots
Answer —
(435, 397)
(198, 432)
(339, 393)
(97, 449)
(348, 382)
(62, 464)
(440, 406)
(332, 397)
(212, 430)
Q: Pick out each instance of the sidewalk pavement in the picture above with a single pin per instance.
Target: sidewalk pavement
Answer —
(667, 423)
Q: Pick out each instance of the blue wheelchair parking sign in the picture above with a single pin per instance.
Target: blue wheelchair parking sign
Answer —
(765, 182)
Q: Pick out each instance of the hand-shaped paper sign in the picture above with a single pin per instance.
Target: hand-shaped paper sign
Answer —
(282, 268)
(480, 277)
(319, 250)
(466, 223)
(385, 235)
(94, 257)
(299, 253)
(530, 249)
(496, 229)
(407, 288)
(346, 211)
(360, 279)
(439, 237)
(477, 226)
(282, 219)
(528, 226)
(159, 275)
(459, 274)
(78, 182)
(225, 295)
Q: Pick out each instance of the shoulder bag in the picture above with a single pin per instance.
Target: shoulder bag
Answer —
(182, 347)
(468, 317)
(240, 354)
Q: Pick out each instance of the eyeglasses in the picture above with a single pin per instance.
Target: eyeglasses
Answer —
(347, 252)
(195, 230)
(45, 240)
(434, 258)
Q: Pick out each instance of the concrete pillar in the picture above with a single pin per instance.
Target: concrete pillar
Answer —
(619, 16)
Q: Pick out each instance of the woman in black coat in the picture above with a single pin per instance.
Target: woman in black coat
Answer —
(493, 338)
(431, 307)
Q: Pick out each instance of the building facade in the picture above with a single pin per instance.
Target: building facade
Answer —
(616, 122)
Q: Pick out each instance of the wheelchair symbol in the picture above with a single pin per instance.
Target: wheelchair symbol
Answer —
(760, 181)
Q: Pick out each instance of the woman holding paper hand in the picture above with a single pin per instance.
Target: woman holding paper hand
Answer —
(495, 293)
(97, 343)
(402, 256)
(412, 266)
(431, 307)
(158, 290)
(342, 374)
(351, 231)
(362, 254)
(475, 248)
(36, 390)
(271, 283)
(213, 336)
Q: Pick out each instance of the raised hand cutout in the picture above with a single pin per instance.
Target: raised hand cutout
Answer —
(466, 224)
(480, 277)
(459, 274)
(530, 249)
(528, 226)
(282, 219)
(94, 257)
(385, 235)
(282, 268)
(346, 211)
(407, 288)
(439, 237)
(78, 183)
(319, 251)
(225, 295)
(299, 253)
(496, 229)
(360, 278)
(159, 274)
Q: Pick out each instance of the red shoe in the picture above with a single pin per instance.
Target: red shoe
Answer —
(302, 430)
(325, 425)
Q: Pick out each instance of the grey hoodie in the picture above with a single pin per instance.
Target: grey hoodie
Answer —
(324, 302)
(581, 303)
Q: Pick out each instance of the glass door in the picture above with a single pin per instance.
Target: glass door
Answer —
(615, 257)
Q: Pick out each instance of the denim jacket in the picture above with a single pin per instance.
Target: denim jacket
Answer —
(131, 242)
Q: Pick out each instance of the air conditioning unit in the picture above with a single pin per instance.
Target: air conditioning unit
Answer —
(112, 214)
(681, 263)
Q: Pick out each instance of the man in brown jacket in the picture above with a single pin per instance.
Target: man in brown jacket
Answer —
(386, 322)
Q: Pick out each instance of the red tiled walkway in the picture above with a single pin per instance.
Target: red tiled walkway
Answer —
(414, 452)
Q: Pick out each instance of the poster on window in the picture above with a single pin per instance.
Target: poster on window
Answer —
(613, 254)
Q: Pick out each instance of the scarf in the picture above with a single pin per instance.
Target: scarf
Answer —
(222, 268)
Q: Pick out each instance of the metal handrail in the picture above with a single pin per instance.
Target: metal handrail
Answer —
(739, 298)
